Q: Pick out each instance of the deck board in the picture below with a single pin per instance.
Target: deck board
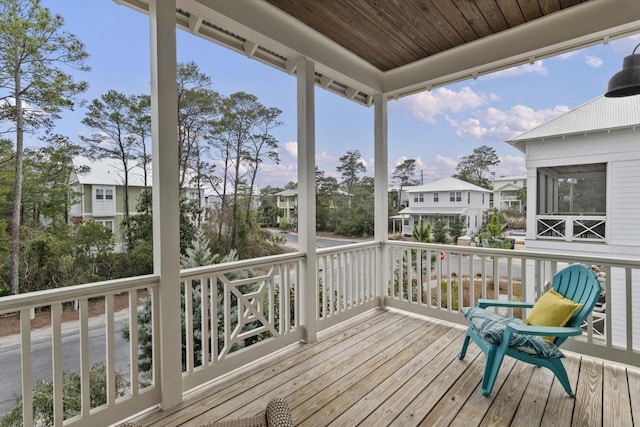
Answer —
(559, 410)
(588, 405)
(633, 377)
(537, 395)
(616, 405)
(390, 368)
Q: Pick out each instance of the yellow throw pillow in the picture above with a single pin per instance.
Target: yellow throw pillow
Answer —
(552, 309)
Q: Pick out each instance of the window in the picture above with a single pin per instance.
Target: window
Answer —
(103, 201)
(193, 196)
(435, 197)
(418, 197)
(572, 190)
(482, 200)
(104, 194)
(455, 196)
(108, 224)
(468, 196)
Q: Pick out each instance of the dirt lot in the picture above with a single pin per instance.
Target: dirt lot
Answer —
(10, 324)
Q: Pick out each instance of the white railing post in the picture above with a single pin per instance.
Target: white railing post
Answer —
(166, 224)
(307, 196)
(381, 201)
(568, 228)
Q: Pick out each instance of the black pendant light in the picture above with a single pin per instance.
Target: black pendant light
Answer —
(627, 81)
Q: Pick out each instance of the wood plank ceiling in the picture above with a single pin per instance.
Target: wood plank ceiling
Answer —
(392, 33)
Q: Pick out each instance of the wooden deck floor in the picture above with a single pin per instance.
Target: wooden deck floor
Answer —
(389, 368)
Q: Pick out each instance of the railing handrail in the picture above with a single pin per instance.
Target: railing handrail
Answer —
(527, 254)
(349, 247)
(13, 303)
(557, 215)
(239, 265)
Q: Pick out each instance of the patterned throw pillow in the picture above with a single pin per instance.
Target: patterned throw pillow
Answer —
(491, 326)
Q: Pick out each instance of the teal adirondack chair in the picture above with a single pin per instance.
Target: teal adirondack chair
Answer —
(499, 335)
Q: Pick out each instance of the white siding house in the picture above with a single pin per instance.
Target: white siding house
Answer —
(583, 176)
(447, 198)
(287, 202)
(505, 193)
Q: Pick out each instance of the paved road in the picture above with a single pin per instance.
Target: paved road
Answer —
(516, 267)
(11, 385)
(321, 242)
(326, 242)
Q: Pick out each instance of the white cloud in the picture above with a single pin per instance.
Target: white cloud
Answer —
(427, 106)
(493, 124)
(291, 148)
(442, 167)
(568, 55)
(511, 165)
(427, 172)
(369, 164)
(446, 163)
(420, 164)
(537, 68)
(323, 158)
(593, 61)
(277, 175)
(400, 160)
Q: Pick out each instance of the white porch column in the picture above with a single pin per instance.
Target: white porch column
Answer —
(166, 224)
(307, 195)
(381, 199)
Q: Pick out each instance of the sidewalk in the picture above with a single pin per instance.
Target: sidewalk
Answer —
(66, 327)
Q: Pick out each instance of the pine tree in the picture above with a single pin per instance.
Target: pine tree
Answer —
(34, 45)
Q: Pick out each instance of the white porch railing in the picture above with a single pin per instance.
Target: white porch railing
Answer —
(346, 282)
(435, 280)
(73, 346)
(572, 228)
(252, 309)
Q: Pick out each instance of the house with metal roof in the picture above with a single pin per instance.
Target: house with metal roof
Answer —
(505, 193)
(446, 198)
(583, 170)
(98, 192)
(287, 203)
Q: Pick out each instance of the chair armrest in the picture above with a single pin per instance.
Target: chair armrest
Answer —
(562, 331)
(484, 303)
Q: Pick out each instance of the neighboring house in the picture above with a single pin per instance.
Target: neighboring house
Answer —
(98, 187)
(446, 198)
(505, 193)
(212, 199)
(394, 196)
(583, 192)
(287, 202)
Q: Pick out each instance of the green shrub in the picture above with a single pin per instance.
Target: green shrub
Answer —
(43, 397)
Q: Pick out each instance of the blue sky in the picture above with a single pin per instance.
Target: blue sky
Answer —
(436, 128)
